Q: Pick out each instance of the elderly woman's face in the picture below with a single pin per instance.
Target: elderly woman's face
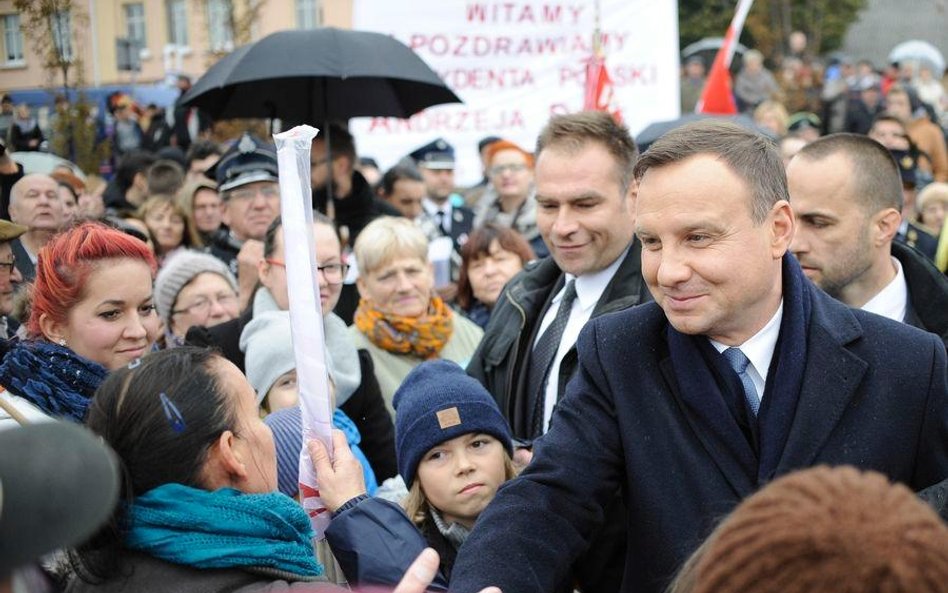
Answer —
(206, 300)
(401, 286)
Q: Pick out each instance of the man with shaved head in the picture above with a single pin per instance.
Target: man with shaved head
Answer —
(846, 192)
(35, 204)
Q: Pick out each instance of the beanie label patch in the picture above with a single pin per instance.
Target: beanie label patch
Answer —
(448, 418)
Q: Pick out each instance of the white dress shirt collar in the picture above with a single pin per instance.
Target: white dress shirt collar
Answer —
(759, 350)
(891, 301)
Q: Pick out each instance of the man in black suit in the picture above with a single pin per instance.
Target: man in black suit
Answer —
(847, 200)
(584, 193)
(740, 371)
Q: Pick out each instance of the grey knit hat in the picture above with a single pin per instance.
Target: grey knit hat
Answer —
(268, 347)
(180, 269)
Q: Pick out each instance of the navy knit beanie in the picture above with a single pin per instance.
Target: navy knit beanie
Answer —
(437, 402)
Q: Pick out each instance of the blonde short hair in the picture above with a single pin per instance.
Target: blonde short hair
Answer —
(387, 238)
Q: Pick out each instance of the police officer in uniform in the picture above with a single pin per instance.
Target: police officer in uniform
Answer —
(443, 211)
(247, 182)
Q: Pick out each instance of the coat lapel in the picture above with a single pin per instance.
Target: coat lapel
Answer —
(738, 477)
(832, 375)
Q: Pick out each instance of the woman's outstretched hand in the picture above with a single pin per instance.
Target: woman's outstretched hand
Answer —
(339, 479)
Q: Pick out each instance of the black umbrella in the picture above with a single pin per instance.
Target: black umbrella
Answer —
(317, 75)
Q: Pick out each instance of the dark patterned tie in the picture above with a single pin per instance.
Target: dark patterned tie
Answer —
(543, 353)
(739, 362)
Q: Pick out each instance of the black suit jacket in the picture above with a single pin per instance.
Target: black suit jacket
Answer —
(462, 223)
(927, 291)
(874, 395)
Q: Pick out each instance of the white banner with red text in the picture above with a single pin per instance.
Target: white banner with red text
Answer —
(516, 63)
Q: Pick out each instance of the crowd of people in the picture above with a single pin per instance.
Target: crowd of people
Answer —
(718, 365)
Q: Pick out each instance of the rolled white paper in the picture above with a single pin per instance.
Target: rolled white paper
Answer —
(306, 319)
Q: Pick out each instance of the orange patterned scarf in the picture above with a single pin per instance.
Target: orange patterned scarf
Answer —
(423, 336)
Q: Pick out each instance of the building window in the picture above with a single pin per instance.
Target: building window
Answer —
(61, 24)
(12, 39)
(307, 16)
(135, 24)
(178, 22)
(219, 25)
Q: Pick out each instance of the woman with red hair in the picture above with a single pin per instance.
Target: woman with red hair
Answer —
(92, 312)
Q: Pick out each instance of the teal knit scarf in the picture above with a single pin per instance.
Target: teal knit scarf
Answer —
(222, 529)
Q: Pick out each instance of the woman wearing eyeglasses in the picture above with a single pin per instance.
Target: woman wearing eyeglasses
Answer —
(509, 201)
(264, 339)
(401, 320)
(92, 312)
(194, 289)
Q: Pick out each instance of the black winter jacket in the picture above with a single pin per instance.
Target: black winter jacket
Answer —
(499, 361)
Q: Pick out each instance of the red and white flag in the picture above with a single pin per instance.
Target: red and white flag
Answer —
(599, 89)
(718, 96)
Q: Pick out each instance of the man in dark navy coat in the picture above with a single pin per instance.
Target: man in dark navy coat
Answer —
(740, 371)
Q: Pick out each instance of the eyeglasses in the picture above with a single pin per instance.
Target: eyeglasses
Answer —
(8, 266)
(511, 167)
(333, 273)
(202, 306)
(267, 191)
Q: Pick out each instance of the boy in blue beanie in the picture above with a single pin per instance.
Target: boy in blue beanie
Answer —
(454, 451)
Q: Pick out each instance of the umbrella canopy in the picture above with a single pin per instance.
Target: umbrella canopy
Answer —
(707, 49)
(709, 45)
(319, 74)
(920, 51)
(654, 131)
(44, 162)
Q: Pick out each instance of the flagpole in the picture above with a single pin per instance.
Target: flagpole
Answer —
(717, 96)
(597, 32)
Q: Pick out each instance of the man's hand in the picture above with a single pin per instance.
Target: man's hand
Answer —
(422, 571)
